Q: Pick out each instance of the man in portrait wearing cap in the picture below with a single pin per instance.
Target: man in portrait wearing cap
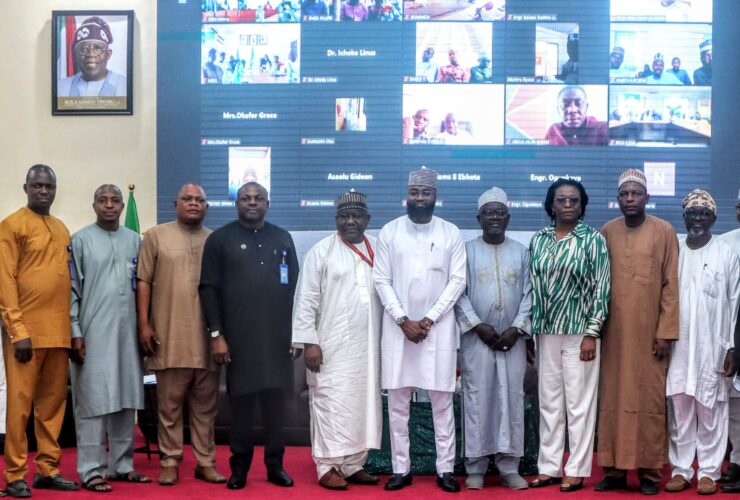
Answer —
(419, 274)
(643, 320)
(659, 76)
(91, 48)
(576, 128)
(732, 474)
(494, 318)
(569, 72)
(336, 320)
(703, 75)
(702, 360)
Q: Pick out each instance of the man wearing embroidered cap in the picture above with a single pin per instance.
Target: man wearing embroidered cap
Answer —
(336, 320)
(702, 360)
(419, 274)
(91, 48)
(703, 75)
(659, 77)
(643, 320)
(493, 315)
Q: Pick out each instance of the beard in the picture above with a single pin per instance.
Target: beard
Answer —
(415, 212)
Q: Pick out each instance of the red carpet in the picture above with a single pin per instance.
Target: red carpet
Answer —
(299, 465)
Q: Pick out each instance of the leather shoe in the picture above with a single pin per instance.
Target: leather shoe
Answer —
(18, 489)
(280, 478)
(398, 481)
(610, 483)
(168, 475)
(706, 486)
(208, 474)
(648, 487)
(730, 475)
(54, 483)
(731, 487)
(362, 477)
(676, 483)
(448, 482)
(333, 481)
(236, 481)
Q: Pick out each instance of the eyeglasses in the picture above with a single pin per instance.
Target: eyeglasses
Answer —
(561, 200)
(490, 214)
(693, 213)
(88, 49)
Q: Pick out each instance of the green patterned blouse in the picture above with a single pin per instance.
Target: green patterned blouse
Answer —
(570, 281)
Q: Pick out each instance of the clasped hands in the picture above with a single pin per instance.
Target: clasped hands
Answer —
(416, 331)
(503, 341)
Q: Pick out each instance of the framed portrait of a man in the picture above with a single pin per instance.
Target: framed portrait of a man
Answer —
(92, 62)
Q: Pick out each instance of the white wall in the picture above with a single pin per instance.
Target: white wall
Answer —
(85, 151)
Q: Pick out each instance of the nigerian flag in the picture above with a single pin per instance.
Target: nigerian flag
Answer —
(132, 215)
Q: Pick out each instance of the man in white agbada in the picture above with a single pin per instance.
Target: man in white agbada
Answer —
(494, 315)
(419, 274)
(702, 360)
(732, 474)
(336, 319)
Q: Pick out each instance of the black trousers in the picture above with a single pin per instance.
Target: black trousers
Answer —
(241, 437)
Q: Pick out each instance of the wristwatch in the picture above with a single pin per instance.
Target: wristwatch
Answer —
(215, 334)
(400, 321)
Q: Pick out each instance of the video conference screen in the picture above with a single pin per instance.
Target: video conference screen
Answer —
(314, 98)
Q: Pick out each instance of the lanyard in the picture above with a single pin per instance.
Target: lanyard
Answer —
(362, 256)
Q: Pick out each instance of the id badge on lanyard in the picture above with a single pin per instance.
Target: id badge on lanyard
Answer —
(70, 264)
(134, 261)
(284, 268)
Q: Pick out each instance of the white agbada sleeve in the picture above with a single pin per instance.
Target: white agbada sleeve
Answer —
(456, 282)
(307, 302)
(383, 277)
(523, 319)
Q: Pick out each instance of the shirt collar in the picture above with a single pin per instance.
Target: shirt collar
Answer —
(579, 231)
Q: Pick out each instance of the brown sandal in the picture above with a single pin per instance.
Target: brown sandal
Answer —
(97, 484)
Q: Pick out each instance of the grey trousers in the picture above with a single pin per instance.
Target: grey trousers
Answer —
(116, 430)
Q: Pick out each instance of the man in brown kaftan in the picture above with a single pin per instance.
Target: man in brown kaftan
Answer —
(643, 318)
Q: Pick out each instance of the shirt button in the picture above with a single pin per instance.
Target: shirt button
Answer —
(262, 263)
(259, 246)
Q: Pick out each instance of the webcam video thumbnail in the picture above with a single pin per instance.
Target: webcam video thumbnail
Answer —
(250, 53)
(556, 115)
(454, 10)
(255, 11)
(660, 116)
(670, 11)
(556, 52)
(453, 53)
(453, 114)
(661, 54)
(248, 164)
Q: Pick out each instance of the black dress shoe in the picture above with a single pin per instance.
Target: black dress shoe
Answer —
(448, 482)
(612, 483)
(280, 478)
(398, 481)
(237, 480)
(54, 483)
(727, 488)
(648, 487)
(18, 489)
(731, 474)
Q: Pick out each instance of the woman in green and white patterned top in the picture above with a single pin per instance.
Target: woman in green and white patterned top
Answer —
(570, 290)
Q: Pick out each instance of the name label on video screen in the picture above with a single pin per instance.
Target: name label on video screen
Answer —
(320, 79)
(249, 115)
(459, 177)
(350, 53)
(552, 177)
(354, 176)
(532, 17)
(205, 141)
(317, 140)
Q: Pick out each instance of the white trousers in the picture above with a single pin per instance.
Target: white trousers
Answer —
(567, 390)
(399, 404)
(506, 464)
(696, 430)
(735, 429)
(346, 465)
